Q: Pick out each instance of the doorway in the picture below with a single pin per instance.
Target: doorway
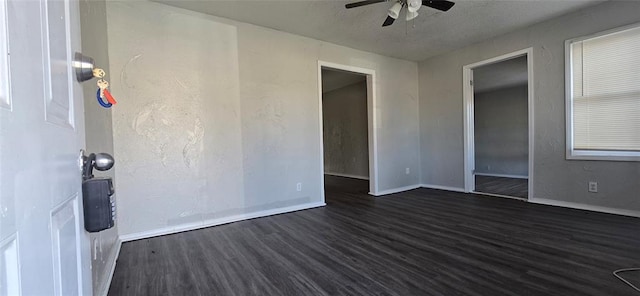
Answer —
(499, 126)
(347, 99)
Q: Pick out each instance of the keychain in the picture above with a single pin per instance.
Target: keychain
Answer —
(103, 92)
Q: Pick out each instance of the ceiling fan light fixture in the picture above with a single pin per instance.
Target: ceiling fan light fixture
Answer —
(411, 15)
(413, 5)
(394, 11)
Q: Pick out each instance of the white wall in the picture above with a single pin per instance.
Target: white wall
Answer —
(219, 118)
(345, 130)
(98, 132)
(502, 131)
(554, 177)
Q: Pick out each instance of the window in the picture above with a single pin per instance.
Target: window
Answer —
(603, 96)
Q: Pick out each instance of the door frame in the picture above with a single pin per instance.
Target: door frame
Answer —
(468, 109)
(371, 119)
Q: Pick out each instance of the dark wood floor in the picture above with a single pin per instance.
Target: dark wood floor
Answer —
(420, 242)
(503, 186)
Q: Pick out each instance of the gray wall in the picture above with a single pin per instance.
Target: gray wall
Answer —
(98, 129)
(501, 131)
(345, 125)
(441, 112)
(219, 118)
(333, 79)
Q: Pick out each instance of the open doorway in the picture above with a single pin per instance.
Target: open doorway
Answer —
(348, 144)
(498, 126)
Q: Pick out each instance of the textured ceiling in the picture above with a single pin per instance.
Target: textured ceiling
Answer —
(500, 75)
(430, 34)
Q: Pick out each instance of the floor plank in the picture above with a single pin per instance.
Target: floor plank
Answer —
(420, 242)
(503, 186)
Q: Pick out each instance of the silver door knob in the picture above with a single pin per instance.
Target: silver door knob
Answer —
(103, 161)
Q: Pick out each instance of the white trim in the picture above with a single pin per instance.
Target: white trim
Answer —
(599, 154)
(396, 190)
(568, 108)
(373, 124)
(502, 175)
(580, 206)
(447, 188)
(320, 125)
(372, 121)
(531, 107)
(568, 102)
(5, 102)
(572, 154)
(468, 124)
(549, 202)
(113, 258)
(13, 256)
(348, 176)
(218, 221)
(468, 118)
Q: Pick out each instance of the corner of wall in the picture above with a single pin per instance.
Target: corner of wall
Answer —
(98, 133)
(105, 281)
(419, 100)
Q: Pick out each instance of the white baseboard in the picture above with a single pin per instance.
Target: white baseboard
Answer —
(448, 188)
(395, 190)
(218, 221)
(502, 175)
(347, 176)
(573, 205)
(113, 257)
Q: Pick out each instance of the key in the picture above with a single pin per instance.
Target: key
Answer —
(102, 85)
(99, 73)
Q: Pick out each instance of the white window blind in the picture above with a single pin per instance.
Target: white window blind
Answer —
(605, 73)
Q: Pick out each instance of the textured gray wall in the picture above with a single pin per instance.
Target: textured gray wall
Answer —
(441, 112)
(219, 118)
(98, 129)
(501, 131)
(345, 125)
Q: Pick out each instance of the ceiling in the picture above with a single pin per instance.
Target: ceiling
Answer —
(430, 34)
(335, 79)
(500, 75)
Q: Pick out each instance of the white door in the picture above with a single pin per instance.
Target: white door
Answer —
(44, 249)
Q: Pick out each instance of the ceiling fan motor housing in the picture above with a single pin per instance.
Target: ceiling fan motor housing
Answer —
(413, 5)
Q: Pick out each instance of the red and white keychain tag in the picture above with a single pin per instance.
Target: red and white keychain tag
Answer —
(103, 92)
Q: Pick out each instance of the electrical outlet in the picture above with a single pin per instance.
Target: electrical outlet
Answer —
(299, 187)
(407, 171)
(593, 186)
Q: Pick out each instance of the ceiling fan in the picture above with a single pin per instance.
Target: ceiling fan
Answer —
(412, 7)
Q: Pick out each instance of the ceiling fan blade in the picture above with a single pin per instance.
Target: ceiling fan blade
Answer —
(388, 21)
(363, 3)
(438, 4)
